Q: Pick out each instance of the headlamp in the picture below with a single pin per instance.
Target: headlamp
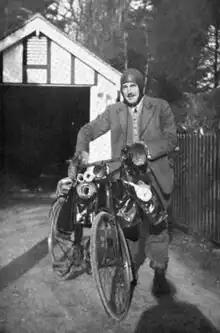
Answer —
(139, 159)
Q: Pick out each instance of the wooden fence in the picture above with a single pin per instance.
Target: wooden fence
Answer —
(196, 195)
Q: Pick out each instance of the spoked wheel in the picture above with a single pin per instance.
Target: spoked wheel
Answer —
(63, 252)
(111, 265)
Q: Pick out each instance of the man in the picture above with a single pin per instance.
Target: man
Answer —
(150, 120)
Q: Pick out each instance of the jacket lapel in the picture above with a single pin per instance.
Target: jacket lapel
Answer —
(147, 114)
(123, 117)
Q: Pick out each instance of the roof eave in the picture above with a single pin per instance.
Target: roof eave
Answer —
(40, 24)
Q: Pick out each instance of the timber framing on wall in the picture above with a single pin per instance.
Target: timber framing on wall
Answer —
(1, 67)
(48, 61)
(96, 78)
(24, 61)
(32, 66)
(72, 69)
(39, 25)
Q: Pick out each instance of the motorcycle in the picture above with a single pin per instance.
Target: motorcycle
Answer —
(111, 204)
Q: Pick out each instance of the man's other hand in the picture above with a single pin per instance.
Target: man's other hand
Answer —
(63, 186)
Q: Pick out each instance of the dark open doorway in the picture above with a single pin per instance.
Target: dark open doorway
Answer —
(40, 126)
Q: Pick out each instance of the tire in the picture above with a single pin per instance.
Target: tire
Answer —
(62, 252)
(117, 259)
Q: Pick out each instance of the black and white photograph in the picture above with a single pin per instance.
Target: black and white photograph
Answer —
(110, 166)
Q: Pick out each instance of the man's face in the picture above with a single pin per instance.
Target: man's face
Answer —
(131, 92)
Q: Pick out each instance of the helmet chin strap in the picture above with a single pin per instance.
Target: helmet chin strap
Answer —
(133, 104)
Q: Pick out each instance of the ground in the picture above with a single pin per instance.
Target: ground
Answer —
(33, 299)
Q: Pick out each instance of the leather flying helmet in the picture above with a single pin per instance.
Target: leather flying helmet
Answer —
(135, 76)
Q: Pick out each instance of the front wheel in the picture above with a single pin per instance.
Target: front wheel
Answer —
(111, 265)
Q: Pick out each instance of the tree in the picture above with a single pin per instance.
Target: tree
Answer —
(140, 17)
(97, 25)
(177, 34)
(213, 46)
(15, 12)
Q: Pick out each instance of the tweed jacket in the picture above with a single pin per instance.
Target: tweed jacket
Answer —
(157, 129)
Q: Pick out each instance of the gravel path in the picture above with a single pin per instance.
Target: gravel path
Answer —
(34, 300)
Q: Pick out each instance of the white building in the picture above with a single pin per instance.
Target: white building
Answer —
(40, 59)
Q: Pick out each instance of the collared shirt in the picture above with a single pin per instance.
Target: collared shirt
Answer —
(135, 113)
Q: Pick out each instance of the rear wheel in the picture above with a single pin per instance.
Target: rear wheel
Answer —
(64, 253)
(111, 265)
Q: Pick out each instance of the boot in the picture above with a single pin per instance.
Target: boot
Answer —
(134, 282)
(160, 284)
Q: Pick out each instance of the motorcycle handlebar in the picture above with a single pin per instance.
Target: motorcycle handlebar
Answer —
(96, 163)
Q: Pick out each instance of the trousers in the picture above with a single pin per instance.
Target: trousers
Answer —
(152, 246)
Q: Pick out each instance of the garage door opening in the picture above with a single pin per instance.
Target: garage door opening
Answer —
(40, 126)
